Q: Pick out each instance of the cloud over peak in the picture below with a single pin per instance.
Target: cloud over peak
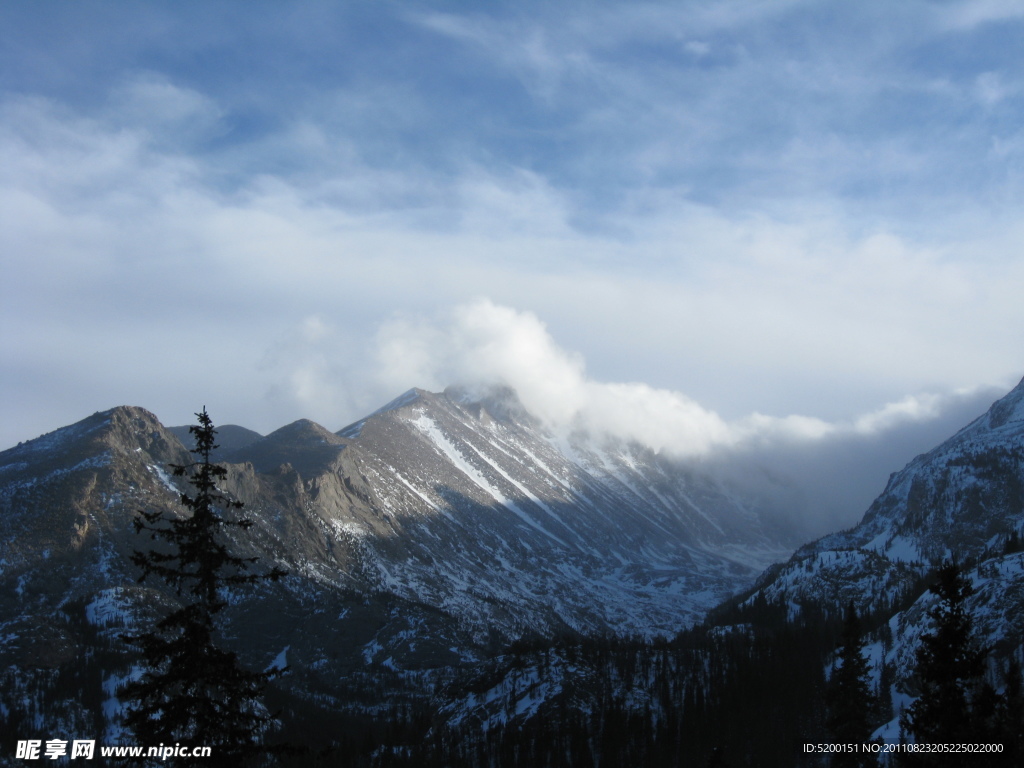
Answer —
(483, 343)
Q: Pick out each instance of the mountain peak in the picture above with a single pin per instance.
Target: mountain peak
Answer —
(123, 429)
(307, 446)
(303, 430)
(230, 438)
(1007, 409)
(1003, 420)
(404, 400)
(499, 400)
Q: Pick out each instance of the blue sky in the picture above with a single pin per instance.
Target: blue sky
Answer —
(741, 212)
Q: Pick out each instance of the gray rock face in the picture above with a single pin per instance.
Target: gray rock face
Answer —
(417, 536)
(465, 504)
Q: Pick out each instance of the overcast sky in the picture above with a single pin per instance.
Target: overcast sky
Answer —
(762, 217)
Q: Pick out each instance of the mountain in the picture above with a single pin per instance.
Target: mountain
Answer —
(963, 500)
(457, 571)
(461, 503)
(751, 678)
(465, 504)
(419, 539)
(960, 500)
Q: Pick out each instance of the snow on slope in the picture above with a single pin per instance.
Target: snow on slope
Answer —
(962, 500)
(483, 514)
(462, 510)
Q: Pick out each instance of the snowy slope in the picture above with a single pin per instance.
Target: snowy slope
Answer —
(465, 504)
(423, 534)
(962, 500)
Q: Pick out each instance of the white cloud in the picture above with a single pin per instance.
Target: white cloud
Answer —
(740, 225)
(972, 13)
(910, 408)
(992, 88)
(823, 473)
(126, 248)
(483, 343)
(520, 201)
(150, 101)
(542, 57)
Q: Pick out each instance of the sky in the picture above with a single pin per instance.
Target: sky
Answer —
(789, 225)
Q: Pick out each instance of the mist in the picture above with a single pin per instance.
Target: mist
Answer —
(821, 474)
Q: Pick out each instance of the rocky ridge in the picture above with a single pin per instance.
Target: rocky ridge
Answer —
(963, 500)
(422, 537)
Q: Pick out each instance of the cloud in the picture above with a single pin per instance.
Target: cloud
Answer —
(126, 247)
(482, 343)
(177, 115)
(543, 58)
(768, 206)
(968, 14)
(819, 474)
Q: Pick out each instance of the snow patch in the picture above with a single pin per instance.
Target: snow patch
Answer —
(110, 607)
(427, 426)
(280, 661)
(164, 478)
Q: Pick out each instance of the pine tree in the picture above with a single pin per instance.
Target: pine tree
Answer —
(949, 666)
(850, 702)
(192, 691)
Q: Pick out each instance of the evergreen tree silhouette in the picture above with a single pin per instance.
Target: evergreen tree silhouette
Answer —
(949, 666)
(192, 691)
(849, 698)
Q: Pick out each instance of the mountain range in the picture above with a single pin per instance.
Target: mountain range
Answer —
(462, 506)
(426, 537)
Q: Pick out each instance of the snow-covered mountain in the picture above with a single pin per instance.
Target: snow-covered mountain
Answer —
(420, 535)
(423, 538)
(963, 500)
(466, 504)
